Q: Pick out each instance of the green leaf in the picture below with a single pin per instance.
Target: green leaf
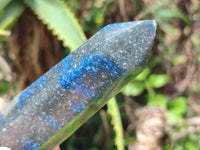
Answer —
(174, 117)
(99, 20)
(177, 108)
(158, 80)
(60, 20)
(195, 40)
(4, 3)
(192, 141)
(178, 105)
(167, 28)
(179, 59)
(143, 75)
(172, 13)
(133, 89)
(11, 14)
(113, 110)
(158, 100)
(167, 147)
(4, 86)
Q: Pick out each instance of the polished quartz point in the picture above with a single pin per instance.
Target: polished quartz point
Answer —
(61, 100)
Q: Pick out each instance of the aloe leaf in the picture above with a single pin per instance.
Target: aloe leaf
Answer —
(4, 3)
(113, 110)
(60, 20)
(11, 13)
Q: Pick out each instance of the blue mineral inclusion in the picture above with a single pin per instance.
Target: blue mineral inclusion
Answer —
(50, 121)
(25, 94)
(89, 65)
(29, 145)
(41, 82)
(70, 76)
(77, 106)
(1, 117)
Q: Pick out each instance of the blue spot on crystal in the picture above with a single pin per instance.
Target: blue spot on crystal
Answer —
(68, 79)
(76, 106)
(64, 82)
(29, 145)
(70, 76)
(41, 82)
(112, 68)
(25, 95)
(89, 65)
(68, 73)
(1, 117)
(50, 121)
(85, 60)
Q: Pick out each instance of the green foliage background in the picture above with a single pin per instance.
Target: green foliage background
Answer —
(167, 82)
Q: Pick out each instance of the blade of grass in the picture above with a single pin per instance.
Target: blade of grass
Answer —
(114, 112)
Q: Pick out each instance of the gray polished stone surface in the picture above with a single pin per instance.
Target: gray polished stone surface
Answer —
(56, 104)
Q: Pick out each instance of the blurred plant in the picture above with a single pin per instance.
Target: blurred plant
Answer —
(196, 41)
(174, 51)
(148, 81)
(95, 15)
(53, 13)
